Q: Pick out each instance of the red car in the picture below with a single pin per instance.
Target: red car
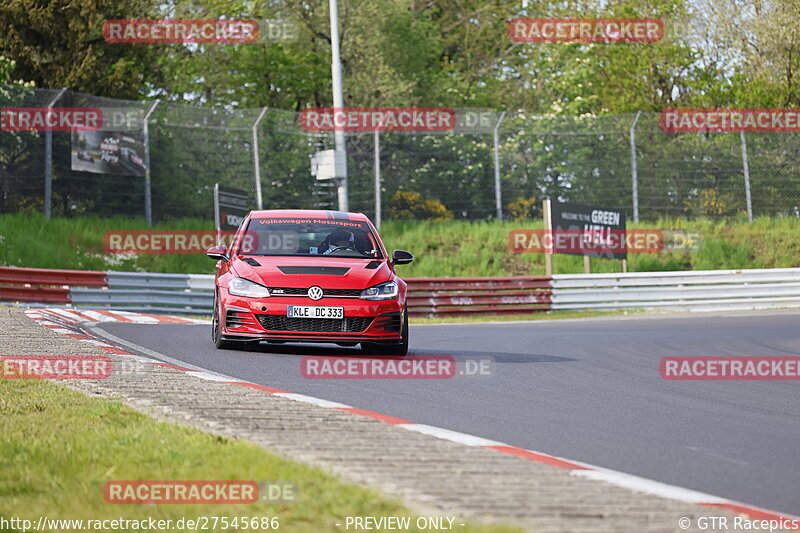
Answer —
(309, 276)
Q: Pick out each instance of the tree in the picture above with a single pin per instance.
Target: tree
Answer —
(60, 44)
(757, 43)
(17, 161)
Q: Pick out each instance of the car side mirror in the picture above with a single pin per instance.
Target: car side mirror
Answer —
(218, 252)
(401, 257)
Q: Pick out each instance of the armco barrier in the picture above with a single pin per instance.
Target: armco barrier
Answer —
(49, 276)
(44, 284)
(700, 290)
(192, 293)
(464, 296)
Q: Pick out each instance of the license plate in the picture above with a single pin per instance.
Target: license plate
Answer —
(314, 311)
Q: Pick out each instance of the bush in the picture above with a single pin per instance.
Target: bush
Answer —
(524, 208)
(406, 205)
(712, 204)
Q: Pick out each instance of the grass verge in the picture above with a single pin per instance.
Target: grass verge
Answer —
(452, 248)
(58, 448)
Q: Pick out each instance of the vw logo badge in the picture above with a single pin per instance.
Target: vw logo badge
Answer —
(315, 293)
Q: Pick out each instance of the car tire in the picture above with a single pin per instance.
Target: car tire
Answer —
(390, 349)
(216, 329)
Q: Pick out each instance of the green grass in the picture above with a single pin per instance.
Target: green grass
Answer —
(453, 248)
(58, 448)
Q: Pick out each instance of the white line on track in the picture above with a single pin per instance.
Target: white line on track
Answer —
(454, 436)
(648, 486)
(310, 399)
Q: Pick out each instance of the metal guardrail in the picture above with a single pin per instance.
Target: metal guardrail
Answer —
(20, 293)
(49, 276)
(147, 280)
(193, 293)
(473, 296)
(702, 290)
(124, 298)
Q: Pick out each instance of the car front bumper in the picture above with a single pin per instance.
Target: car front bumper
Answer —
(266, 319)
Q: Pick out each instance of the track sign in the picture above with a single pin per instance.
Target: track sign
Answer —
(597, 227)
(230, 207)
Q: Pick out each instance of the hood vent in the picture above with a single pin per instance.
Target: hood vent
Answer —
(373, 264)
(252, 262)
(329, 271)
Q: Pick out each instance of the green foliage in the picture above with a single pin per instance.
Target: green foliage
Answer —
(719, 252)
(712, 203)
(410, 206)
(524, 208)
(441, 248)
(60, 44)
(394, 52)
(453, 53)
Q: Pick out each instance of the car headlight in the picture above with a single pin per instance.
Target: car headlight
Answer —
(245, 287)
(384, 291)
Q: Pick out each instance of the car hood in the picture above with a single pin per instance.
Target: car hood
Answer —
(303, 272)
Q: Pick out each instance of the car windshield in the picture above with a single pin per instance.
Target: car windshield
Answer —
(309, 237)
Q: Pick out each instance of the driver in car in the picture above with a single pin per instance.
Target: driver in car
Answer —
(339, 239)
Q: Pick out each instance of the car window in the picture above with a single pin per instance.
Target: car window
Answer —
(309, 237)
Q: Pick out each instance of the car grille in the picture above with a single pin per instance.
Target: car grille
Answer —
(296, 291)
(353, 324)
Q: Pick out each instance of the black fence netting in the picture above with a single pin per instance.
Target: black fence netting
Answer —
(508, 167)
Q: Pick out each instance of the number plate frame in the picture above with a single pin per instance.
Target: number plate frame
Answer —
(315, 311)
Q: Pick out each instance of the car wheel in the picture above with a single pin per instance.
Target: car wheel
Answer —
(216, 329)
(390, 349)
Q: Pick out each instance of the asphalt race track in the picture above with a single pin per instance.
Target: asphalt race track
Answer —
(588, 390)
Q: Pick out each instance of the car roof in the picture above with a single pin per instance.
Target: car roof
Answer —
(308, 213)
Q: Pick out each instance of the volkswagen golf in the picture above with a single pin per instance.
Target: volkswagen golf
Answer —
(309, 276)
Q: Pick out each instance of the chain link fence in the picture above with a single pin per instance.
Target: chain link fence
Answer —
(506, 169)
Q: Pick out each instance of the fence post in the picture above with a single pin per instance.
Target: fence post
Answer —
(339, 139)
(256, 164)
(746, 169)
(377, 180)
(498, 198)
(48, 162)
(548, 230)
(634, 169)
(148, 191)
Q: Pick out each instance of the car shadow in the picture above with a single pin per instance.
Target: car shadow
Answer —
(357, 353)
